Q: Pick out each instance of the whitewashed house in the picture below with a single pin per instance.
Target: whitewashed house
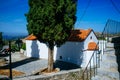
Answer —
(78, 49)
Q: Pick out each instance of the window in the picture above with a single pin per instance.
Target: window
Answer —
(91, 37)
(60, 57)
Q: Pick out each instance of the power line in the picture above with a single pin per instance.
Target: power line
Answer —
(114, 5)
(85, 10)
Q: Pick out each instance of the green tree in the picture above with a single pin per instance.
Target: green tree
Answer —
(51, 21)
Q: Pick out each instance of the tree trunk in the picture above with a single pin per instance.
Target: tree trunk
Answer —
(50, 57)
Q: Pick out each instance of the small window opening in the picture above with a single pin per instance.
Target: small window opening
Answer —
(60, 57)
(91, 37)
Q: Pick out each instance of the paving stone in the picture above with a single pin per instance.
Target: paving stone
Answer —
(108, 72)
(102, 78)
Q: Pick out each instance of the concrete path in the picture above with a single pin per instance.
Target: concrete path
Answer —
(108, 66)
(25, 64)
(29, 66)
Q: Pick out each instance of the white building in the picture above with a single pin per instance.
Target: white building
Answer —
(78, 49)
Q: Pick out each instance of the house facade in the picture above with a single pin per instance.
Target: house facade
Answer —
(78, 49)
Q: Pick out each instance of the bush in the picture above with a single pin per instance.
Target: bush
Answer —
(14, 47)
(24, 46)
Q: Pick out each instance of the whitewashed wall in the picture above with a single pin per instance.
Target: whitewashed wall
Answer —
(87, 53)
(88, 40)
(74, 52)
(71, 52)
(87, 56)
(102, 46)
(39, 50)
(36, 49)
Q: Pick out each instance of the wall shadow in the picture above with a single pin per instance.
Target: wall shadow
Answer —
(22, 62)
(65, 65)
(34, 50)
(19, 63)
(70, 55)
(70, 52)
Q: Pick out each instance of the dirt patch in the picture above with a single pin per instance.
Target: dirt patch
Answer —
(7, 73)
(2, 63)
(45, 71)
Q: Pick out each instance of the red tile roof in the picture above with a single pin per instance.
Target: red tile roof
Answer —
(76, 35)
(92, 46)
(79, 35)
(31, 37)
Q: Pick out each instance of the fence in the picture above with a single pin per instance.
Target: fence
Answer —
(111, 30)
(90, 70)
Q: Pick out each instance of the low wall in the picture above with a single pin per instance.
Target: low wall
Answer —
(62, 75)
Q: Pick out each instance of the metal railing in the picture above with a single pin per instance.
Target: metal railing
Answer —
(91, 69)
(109, 34)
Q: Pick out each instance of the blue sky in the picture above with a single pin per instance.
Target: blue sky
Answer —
(97, 14)
(12, 19)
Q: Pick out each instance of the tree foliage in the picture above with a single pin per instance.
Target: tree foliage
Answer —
(51, 20)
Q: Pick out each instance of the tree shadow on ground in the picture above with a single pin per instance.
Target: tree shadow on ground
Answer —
(19, 63)
(65, 65)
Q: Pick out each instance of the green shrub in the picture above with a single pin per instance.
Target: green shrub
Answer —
(24, 46)
(14, 47)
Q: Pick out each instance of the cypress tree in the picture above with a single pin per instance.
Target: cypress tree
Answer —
(51, 22)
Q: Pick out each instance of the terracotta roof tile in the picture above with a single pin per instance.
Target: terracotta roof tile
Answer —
(79, 35)
(31, 37)
(92, 46)
(76, 35)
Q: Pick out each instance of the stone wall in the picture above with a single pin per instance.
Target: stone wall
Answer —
(62, 75)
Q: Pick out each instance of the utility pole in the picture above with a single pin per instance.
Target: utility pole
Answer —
(10, 62)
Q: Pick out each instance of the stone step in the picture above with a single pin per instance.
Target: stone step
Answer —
(109, 57)
(110, 45)
(109, 49)
(98, 77)
(107, 72)
(109, 52)
(109, 64)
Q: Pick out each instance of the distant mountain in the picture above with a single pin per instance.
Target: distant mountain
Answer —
(13, 36)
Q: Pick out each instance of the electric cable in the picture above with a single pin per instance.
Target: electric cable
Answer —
(114, 5)
(85, 10)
